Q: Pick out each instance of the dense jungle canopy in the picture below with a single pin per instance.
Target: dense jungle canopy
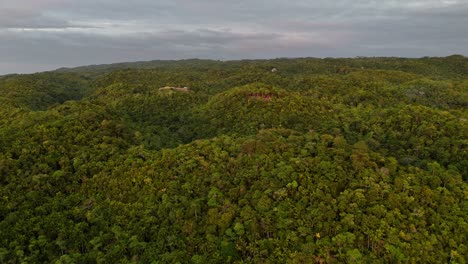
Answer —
(358, 160)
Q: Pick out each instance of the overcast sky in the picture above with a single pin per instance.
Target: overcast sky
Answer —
(37, 35)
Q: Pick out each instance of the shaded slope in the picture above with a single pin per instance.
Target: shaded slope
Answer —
(39, 91)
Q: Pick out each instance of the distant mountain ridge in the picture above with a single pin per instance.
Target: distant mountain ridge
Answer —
(322, 65)
(136, 65)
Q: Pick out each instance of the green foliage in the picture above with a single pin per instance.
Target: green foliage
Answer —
(324, 160)
(249, 108)
(38, 91)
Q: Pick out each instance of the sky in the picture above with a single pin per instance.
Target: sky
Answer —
(39, 35)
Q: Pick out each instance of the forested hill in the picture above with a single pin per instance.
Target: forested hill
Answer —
(258, 161)
(454, 65)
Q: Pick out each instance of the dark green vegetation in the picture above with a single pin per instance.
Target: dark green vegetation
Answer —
(328, 161)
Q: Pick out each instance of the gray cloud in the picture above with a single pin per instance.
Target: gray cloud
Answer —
(46, 34)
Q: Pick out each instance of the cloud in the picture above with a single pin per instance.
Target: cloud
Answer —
(56, 33)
